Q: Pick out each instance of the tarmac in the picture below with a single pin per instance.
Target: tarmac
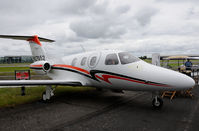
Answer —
(103, 111)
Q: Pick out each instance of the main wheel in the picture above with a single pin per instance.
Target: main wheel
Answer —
(157, 103)
(44, 96)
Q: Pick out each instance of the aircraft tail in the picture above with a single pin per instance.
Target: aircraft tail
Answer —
(38, 53)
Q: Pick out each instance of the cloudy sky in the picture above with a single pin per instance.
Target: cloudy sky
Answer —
(142, 27)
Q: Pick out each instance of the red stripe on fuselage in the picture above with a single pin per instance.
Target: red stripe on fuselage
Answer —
(72, 67)
(106, 79)
(36, 65)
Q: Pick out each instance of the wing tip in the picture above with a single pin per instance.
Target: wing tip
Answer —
(28, 38)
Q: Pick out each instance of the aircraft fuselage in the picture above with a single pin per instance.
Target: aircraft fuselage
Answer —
(93, 69)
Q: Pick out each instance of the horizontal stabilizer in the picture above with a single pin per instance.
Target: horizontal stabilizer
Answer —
(27, 38)
(38, 82)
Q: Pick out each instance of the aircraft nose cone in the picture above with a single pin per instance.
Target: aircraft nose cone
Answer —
(187, 82)
(182, 81)
(176, 80)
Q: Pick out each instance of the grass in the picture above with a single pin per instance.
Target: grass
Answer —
(12, 69)
(6, 71)
(10, 97)
(16, 64)
(147, 60)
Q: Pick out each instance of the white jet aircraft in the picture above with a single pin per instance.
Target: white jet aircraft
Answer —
(109, 69)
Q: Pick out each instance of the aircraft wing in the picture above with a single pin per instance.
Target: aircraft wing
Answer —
(38, 82)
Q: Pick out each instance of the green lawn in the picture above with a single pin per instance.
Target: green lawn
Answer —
(16, 64)
(6, 71)
(10, 97)
(12, 69)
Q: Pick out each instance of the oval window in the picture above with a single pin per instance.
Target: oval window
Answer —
(74, 62)
(83, 62)
(93, 61)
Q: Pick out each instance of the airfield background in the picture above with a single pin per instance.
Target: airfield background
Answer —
(9, 64)
(15, 59)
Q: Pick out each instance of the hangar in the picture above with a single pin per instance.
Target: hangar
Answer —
(16, 59)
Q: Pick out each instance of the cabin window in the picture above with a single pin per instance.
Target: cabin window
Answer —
(83, 61)
(111, 59)
(93, 61)
(126, 58)
(74, 61)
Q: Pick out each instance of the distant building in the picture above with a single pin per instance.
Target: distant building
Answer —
(16, 59)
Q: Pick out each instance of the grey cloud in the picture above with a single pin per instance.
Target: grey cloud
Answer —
(99, 8)
(144, 15)
(76, 6)
(97, 29)
(123, 9)
(177, 1)
(96, 23)
(89, 28)
(154, 45)
(23, 14)
(101, 22)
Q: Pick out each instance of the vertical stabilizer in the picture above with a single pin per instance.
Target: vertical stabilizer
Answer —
(38, 52)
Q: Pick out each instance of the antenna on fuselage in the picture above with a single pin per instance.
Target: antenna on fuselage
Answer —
(82, 47)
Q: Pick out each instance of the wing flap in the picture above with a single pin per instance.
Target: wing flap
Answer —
(39, 82)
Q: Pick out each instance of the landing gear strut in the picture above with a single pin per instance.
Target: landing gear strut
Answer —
(157, 101)
(48, 93)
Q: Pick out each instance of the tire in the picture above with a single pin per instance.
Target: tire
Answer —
(158, 104)
(44, 96)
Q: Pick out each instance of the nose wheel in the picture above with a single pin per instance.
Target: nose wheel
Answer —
(157, 102)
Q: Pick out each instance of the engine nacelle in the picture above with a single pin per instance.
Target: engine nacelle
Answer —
(41, 67)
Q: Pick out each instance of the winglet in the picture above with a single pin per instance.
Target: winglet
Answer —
(35, 39)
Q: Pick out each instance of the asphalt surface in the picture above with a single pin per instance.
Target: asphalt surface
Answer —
(97, 111)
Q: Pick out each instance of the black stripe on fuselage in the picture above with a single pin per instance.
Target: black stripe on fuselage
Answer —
(93, 72)
(36, 68)
(61, 68)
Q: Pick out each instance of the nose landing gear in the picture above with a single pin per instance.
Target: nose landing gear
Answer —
(157, 102)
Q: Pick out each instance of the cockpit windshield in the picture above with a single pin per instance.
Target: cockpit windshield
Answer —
(126, 58)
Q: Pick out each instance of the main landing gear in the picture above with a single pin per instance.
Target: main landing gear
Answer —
(157, 101)
(48, 93)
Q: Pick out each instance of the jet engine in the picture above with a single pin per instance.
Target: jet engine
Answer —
(41, 67)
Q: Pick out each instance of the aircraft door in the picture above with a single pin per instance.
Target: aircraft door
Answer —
(93, 60)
